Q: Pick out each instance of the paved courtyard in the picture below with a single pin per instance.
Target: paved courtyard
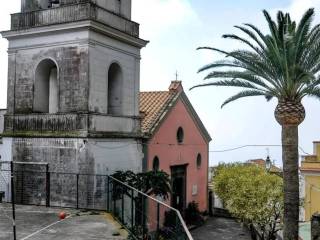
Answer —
(39, 223)
(222, 229)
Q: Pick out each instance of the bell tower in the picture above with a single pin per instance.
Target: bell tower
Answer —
(73, 85)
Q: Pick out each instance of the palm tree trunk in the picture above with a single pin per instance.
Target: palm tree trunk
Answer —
(290, 157)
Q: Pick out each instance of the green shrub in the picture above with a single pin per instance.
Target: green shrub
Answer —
(193, 215)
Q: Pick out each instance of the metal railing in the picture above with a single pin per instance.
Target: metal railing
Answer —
(143, 216)
(72, 13)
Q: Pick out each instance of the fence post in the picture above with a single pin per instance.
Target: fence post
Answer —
(47, 186)
(142, 216)
(132, 213)
(122, 204)
(13, 202)
(158, 217)
(77, 192)
(22, 186)
(113, 198)
(108, 194)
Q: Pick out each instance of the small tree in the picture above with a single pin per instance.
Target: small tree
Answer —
(252, 195)
(155, 183)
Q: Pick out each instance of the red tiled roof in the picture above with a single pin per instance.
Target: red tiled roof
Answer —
(153, 106)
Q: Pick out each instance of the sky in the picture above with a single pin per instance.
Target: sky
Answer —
(175, 28)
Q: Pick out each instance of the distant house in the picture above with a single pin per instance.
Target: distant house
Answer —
(262, 163)
(176, 142)
(310, 172)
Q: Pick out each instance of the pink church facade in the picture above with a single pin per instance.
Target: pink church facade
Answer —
(178, 144)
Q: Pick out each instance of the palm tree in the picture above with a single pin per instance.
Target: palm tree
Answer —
(282, 64)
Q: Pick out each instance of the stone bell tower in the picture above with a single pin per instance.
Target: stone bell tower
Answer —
(73, 85)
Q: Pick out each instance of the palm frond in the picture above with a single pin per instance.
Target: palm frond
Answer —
(242, 94)
(213, 49)
(252, 35)
(248, 43)
(302, 31)
(219, 64)
(232, 83)
(282, 63)
(272, 27)
(315, 92)
(246, 76)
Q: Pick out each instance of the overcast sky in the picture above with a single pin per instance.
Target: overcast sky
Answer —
(175, 28)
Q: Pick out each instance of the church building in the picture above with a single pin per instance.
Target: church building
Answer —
(73, 96)
(73, 85)
(177, 143)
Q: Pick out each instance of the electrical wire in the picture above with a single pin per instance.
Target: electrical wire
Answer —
(255, 145)
(173, 144)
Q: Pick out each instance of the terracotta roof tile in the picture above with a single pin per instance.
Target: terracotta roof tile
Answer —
(152, 106)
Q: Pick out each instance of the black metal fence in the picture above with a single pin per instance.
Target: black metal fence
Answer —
(143, 216)
(34, 184)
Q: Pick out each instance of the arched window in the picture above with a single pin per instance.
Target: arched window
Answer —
(199, 161)
(180, 135)
(46, 90)
(115, 90)
(156, 164)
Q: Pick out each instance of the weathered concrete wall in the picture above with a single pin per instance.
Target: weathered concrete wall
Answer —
(31, 5)
(111, 155)
(72, 64)
(63, 156)
(121, 7)
(105, 52)
(103, 123)
(2, 113)
(66, 159)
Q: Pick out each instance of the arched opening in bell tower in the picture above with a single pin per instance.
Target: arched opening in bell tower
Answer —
(46, 90)
(115, 89)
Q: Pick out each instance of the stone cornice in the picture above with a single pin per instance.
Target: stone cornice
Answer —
(80, 25)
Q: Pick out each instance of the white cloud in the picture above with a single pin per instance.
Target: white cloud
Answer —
(161, 22)
(159, 16)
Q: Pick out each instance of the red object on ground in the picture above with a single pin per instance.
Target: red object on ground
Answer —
(62, 215)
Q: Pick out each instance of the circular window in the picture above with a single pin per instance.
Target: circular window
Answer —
(156, 163)
(199, 159)
(180, 135)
